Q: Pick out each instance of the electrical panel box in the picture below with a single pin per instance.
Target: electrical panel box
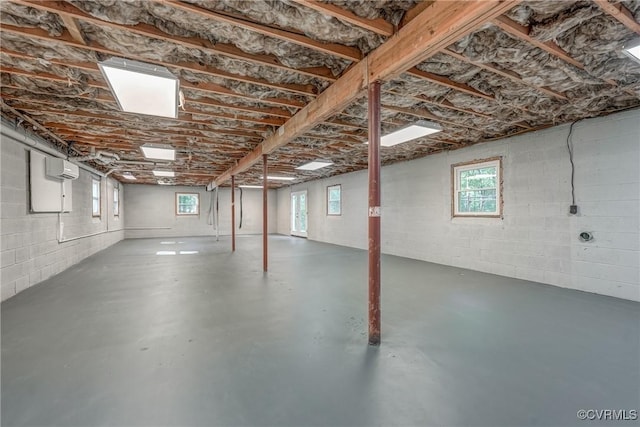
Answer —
(47, 194)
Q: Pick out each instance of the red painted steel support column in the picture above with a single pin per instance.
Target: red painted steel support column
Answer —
(374, 213)
(233, 213)
(265, 224)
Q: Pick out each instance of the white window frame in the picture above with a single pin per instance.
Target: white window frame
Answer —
(457, 168)
(96, 184)
(329, 188)
(183, 193)
(116, 201)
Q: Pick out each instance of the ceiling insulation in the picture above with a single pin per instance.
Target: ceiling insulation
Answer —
(542, 63)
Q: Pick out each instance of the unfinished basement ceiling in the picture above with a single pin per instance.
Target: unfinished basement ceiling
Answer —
(247, 67)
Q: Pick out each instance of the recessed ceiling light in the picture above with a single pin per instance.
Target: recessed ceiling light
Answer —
(632, 49)
(416, 130)
(315, 165)
(128, 176)
(170, 174)
(142, 88)
(158, 151)
(250, 186)
(279, 178)
(410, 132)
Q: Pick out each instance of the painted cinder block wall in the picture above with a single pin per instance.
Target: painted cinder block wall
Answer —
(30, 251)
(151, 212)
(536, 239)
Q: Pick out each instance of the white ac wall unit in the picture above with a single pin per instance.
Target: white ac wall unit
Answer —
(61, 169)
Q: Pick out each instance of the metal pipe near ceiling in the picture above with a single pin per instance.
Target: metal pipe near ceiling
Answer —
(32, 141)
(374, 213)
(265, 225)
(233, 213)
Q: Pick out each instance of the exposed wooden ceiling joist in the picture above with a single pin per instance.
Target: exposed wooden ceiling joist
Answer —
(414, 11)
(448, 83)
(338, 50)
(274, 116)
(439, 25)
(378, 26)
(416, 112)
(66, 39)
(272, 121)
(185, 120)
(523, 33)
(504, 73)
(620, 12)
(211, 88)
(147, 30)
(73, 28)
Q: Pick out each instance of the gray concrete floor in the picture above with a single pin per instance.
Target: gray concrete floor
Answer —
(130, 337)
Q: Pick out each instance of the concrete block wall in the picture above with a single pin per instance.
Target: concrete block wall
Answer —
(536, 239)
(30, 247)
(151, 212)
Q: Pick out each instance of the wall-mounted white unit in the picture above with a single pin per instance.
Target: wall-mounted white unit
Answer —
(48, 194)
(61, 169)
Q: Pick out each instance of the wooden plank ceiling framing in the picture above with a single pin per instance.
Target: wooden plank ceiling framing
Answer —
(287, 78)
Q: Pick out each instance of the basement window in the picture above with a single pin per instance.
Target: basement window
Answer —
(477, 188)
(95, 197)
(116, 201)
(187, 204)
(334, 200)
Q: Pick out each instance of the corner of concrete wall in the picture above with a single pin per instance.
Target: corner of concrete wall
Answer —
(536, 239)
(31, 250)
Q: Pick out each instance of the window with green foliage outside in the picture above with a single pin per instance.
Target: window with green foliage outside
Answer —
(477, 188)
(187, 204)
(334, 200)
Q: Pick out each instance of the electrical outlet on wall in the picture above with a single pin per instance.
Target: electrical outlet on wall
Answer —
(573, 209)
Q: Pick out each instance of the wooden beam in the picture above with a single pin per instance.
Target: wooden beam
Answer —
(334, 49)
(441, 104)
(434, 29)
(66, 39)
(274, 116)
(221, 90)
(443, 81)
(504, 73)
(204, 45)
(416, 112)
(130, 122)
(522, 32)
(621, 13)
(414, 11)
(452, 16)
(378, 26)
(212, 88)
(36, 124)
(73, 28)
(101, 97)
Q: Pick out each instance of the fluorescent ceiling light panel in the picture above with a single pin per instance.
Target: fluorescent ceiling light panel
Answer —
(279, 178)
(142, 88)
(250, 186)
(408, 133)
(315, 165)
(632, 50)
(170, 174)
(158, 151)
(128, 176)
